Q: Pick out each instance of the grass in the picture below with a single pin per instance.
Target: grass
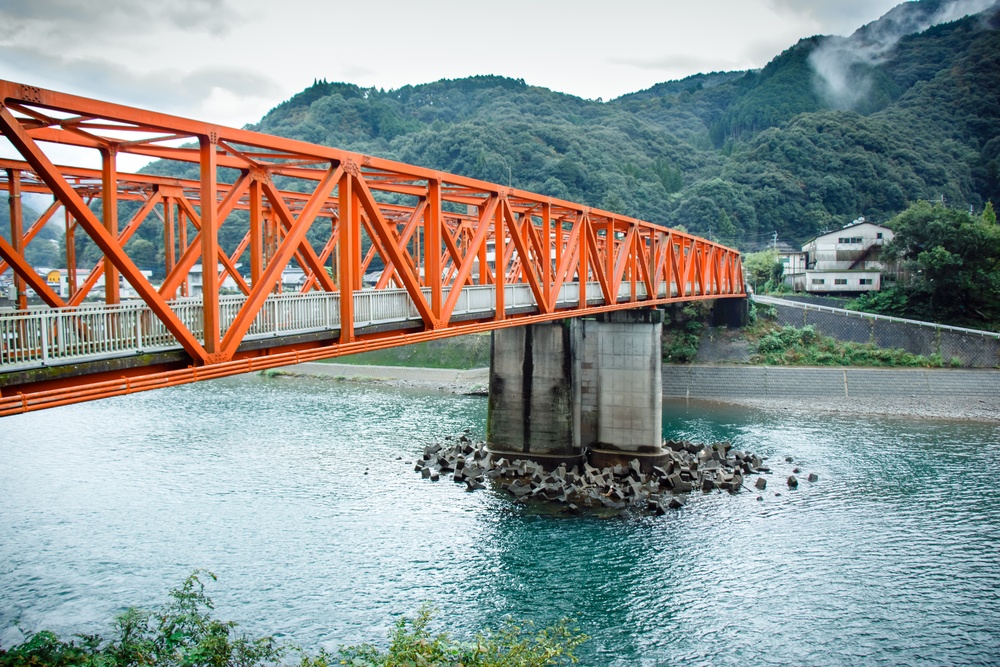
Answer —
(682, 331)
(184, 634)
(790, 346)
(459, 352)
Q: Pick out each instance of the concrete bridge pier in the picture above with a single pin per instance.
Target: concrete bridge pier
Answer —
(563, 391)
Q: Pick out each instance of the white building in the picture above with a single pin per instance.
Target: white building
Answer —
(195, 280)
(846, 260)
(793, 266)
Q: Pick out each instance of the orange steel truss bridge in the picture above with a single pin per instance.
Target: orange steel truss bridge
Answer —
(456, 255)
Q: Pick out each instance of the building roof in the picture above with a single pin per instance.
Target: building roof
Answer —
(850, 226)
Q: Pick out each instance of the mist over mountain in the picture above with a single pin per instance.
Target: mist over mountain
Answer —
(906, 108)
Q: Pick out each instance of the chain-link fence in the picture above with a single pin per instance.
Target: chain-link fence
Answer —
(968, 347)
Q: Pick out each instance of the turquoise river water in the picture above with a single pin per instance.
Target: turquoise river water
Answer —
(891, 558)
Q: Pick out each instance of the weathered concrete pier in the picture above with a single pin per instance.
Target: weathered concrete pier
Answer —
(559, 390)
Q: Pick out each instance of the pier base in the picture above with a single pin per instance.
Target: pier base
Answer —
(563, 390)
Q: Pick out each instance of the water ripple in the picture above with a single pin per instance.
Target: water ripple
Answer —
(890, 558)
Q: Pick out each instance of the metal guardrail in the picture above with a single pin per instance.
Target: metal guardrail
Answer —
(769, 300)
(42, 336)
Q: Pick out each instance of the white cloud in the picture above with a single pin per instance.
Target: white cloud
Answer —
(70, 22)
(840, 17)
(167, 90)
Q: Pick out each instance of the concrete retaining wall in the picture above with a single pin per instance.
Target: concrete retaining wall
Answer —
(971, 350)
(747, 382)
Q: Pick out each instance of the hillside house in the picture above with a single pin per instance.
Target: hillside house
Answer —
(848, 260)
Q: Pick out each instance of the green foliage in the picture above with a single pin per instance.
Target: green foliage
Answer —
(184, 634)
(790, 346)
(682, 331)
(951, 261)
(763, 269)
(412, 643)
(733, 155)
(44, 249)
(888, 301)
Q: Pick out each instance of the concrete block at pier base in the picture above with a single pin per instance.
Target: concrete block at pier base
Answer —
(608, 458)
(549, 462)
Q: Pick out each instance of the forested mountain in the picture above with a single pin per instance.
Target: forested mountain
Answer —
(830, 129)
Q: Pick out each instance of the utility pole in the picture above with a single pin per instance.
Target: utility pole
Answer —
(774, 240)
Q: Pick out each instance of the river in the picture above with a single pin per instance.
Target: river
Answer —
(300, 495)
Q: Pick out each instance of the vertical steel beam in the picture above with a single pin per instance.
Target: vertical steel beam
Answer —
(432, 247)
(484, 268)
(547, 252)
(109, 207)
(256, 232)
(345, 248)
(209, 247)
(611, 275)
(17, 232)
(631, 262)
(363, 224)
(70, 253)
(582, 245)
(169, 239)
(182, 235)
(500, 257)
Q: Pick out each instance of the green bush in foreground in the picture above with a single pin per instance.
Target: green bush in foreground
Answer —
(184, 634)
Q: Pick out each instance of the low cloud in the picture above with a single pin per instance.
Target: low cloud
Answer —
(71, 21)
(680, 65)
(843, 15)
(166, 90)
(839, 63)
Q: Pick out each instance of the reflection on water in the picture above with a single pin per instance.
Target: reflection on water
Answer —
(298, 494)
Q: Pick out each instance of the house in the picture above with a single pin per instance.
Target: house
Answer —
(793, 265)
(58, 281)
(848, 260)
(195, 280)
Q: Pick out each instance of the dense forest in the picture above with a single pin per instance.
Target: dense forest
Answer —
(830, 129)
(733, 155)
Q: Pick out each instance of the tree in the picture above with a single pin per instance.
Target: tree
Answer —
(951, 260)
(142, 252)
(763, 268)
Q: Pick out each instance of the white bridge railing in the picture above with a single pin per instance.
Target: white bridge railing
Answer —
(42, 336)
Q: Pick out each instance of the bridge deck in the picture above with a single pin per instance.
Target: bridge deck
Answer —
(456, 254)
(46, 337)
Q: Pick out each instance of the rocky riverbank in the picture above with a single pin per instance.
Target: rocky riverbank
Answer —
(689, 468)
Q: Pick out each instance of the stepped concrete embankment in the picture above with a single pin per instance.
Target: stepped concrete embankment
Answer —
(936, 393)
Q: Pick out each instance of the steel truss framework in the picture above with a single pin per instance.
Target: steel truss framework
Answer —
(433, 233)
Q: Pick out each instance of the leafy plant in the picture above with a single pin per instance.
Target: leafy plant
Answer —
(682, 332)
(791, 346)
(411, 642)
(184, 634)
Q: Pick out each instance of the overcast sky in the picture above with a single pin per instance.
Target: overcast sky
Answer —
(229, 61)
